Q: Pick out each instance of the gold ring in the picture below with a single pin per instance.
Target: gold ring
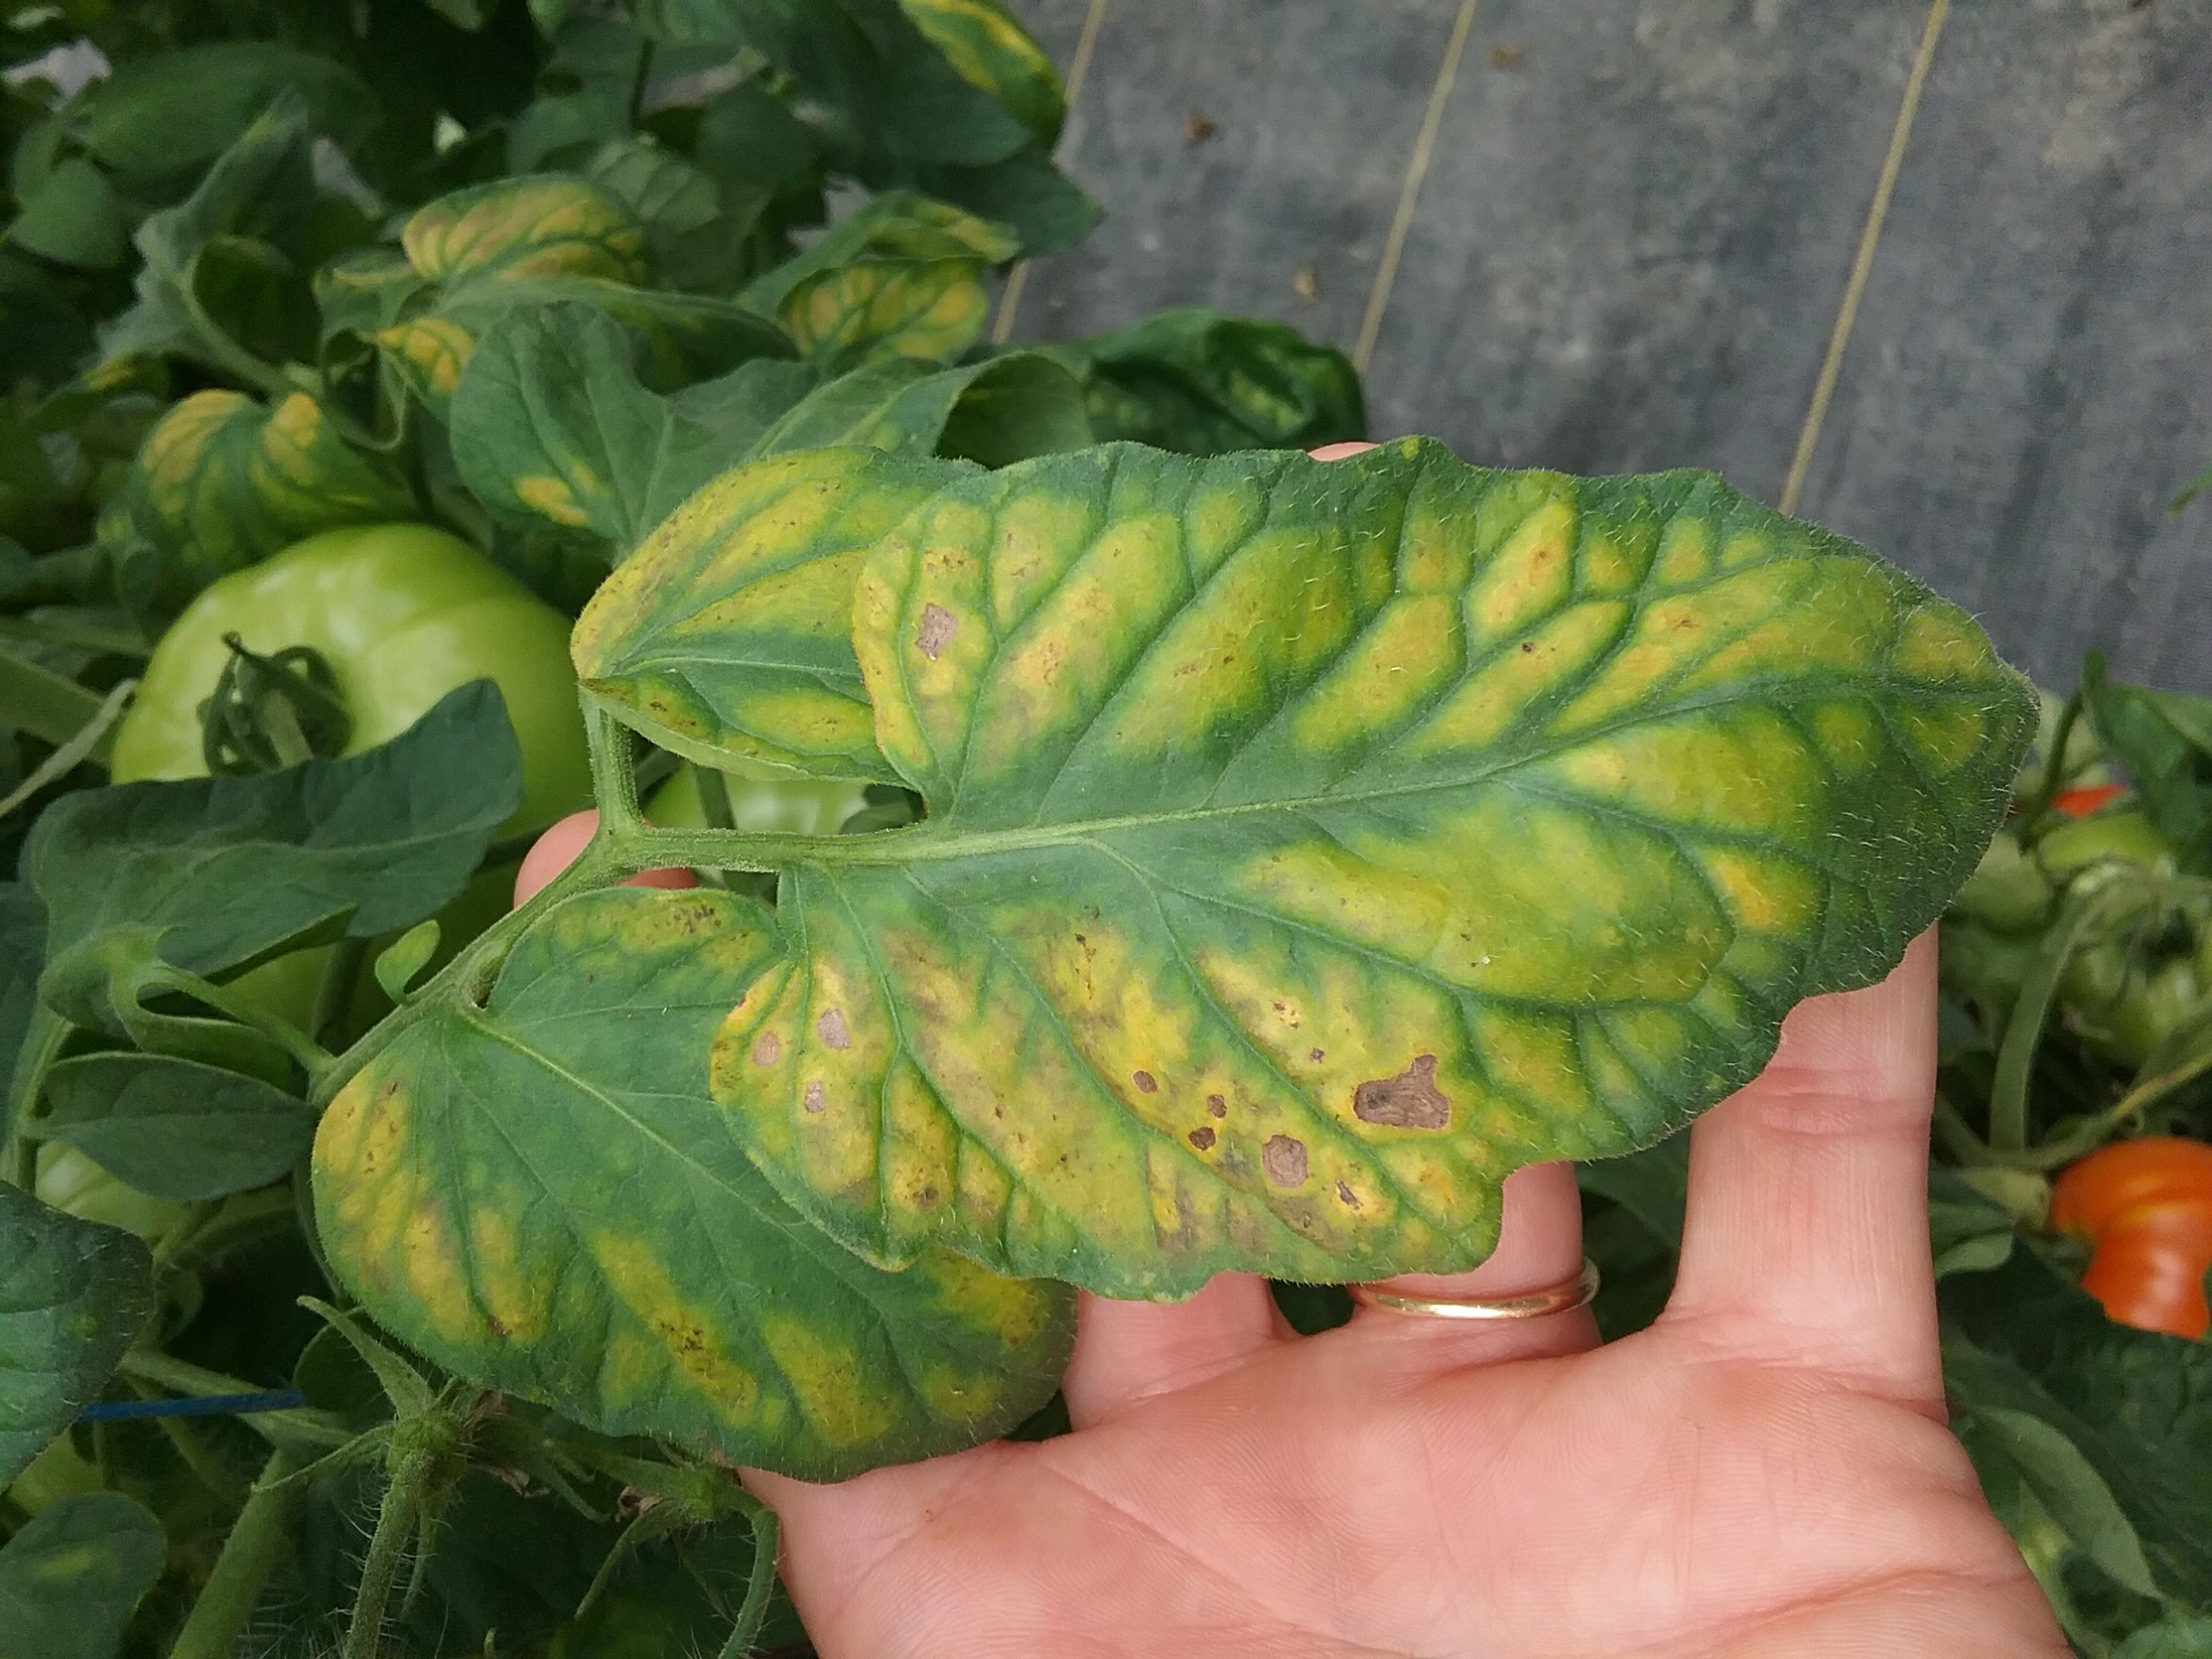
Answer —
(1576, 1292)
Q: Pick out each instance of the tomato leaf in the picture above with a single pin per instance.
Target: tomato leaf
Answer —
(994, 54)
(539, 1195)
(2137, 1404)
(1203, 382)
(71, 1578)
(2164, 740)
(1003, 409)
(1310, 846)
(549, 419)
(726, 637)
(223, 481)
(212, 875)
(74, 1295)
(2177, 1636)
(74, 219)
(174, 1128)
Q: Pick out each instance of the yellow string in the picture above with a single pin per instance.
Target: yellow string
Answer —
(1832, 365)
(1409, 192)
(1079, 71)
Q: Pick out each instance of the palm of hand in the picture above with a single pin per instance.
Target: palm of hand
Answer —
(1764, 1471)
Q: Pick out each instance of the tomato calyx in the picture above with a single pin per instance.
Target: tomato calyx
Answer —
(271, 712)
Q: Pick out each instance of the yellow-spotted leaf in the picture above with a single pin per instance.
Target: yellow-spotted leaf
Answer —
(543, 225)
(994, 54)
(727, 636)
(1310, 846)
(538, 1195)
(903, 275)
(223, 480)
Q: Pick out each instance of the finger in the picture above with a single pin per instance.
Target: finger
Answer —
(1338, 452)
(1807, 1236)
(557, 849)
(1127, 1352)
(1540, 1247)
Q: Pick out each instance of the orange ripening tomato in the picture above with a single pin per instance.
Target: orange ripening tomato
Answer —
(2079, 803)
(2146, 1206)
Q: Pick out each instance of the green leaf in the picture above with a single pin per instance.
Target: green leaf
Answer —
(174, 1128)
(903, 275)
(1004, 410)
(993, 53)
(726, 637)
(36, 699)
(1203, 382)
(2163, 740)
(2177, 1636)
(261, 189)
(695, 226)
(2073, 1492)
(224, 481)
(214, 875)
(538, 1195)
(74, 1295)
(1310, 846)
(75, 219)
(1968, 1232)
(549, 419)
(407, 956)
(157, 121)
(2137, 1404)
(22, 949)
(71, 1578)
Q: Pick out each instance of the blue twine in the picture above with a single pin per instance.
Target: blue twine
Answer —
(214, 1405)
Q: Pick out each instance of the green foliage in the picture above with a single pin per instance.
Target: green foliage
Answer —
(73, 1296)
(70, 1579)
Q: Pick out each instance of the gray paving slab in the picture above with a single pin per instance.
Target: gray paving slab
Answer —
(2030, 378)
(1235, 144)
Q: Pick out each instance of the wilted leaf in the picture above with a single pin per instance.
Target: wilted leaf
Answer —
(727, 637)
(904, 275)
(547, 225)
(223, 481)
(74, 1295)
(1310, 846)
(1203, 382)
(549, 419)
(213, 874)
(174, 1128)
(539, 1196)
(1004, 410)
(993, 53)
(71, 1578)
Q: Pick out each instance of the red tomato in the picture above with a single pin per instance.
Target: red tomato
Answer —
(557, 849)
(2146, 1204)
(2079, 803)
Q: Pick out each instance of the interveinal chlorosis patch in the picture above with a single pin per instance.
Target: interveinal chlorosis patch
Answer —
(539, 1195)
(726, 637)
(1310, 846)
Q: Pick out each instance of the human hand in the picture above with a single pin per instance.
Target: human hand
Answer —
(1764, 1471)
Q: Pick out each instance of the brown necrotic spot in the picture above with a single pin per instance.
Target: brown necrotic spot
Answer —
(816, 1098)
(1202, 1138)
(1146, 1084)
(1317, 1054)
(1345, 1194)
(766, 1047)
(1216, 1106)
(1283, 1157)
(938, 627)
(831, 1026)
(1410, 1100)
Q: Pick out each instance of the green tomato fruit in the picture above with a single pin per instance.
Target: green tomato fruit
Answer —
(795, 807)
(2126, 836)
(2095, 976)
(2007, 892)
(402, 614)
(2150, 1009)
(72, 1183)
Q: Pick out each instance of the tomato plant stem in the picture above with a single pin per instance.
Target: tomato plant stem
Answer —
(257, 1541)
(411, 1476)
(760, 1586)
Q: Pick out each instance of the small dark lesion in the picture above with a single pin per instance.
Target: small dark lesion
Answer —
(1284, 1158)
(1216, 1106)
(767, 1046)
(1145, 1082)
(831, 1029)
(1202, 1138)
(1410, 1100)
(938, 625)
(816, 1098)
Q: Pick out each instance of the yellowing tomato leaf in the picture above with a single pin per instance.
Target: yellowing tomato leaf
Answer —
(726, 637)
(539, 1194)
(1310, 846)
(543, 225)
(994, 54)
(71, 1578)
(223, 480)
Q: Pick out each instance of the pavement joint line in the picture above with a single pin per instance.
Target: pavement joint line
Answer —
(1079, 71)
(1847, 315)
(1409, 190)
